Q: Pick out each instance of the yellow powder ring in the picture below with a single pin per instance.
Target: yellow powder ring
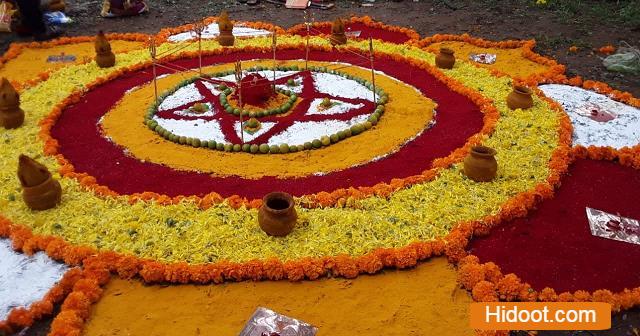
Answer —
(392, 132)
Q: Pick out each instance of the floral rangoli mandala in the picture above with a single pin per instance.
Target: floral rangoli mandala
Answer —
(168, 188)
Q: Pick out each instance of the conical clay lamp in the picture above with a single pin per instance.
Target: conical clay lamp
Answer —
(39, 190)
(11, 116)
(104, 56)
(225, 38)
(338, 35)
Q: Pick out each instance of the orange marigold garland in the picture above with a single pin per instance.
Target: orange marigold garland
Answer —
(21, 317)
(510, 287)
(365, 20)
(165, 33)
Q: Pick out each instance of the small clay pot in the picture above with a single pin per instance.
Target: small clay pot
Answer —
(481, 165)
(520, 98)
(105, 58)
(277, 216)
(445, 59)
(11, 116)
(226, 38)
(39, 190)
(10, 119)
(338, 36)
(338, 39)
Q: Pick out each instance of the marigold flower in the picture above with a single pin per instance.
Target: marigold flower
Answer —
(484, 291)
(509, 287)
(607, 50)
(470, 274)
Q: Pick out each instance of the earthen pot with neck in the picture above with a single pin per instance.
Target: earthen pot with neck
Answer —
(520, 98)
(481, 165)
(225, 26)
(11, 115)
(105, 58)
(338, 36)
(39, 190)
(445, 59)
(277, 216)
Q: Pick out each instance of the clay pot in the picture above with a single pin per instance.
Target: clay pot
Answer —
(481, 165)
(445, 59)
(225, 26)
(277, 216)
(11, 116)
(39, 190)
(105, 58)
(338, 36)
(338, 39)
(226, 39)
(520, 98)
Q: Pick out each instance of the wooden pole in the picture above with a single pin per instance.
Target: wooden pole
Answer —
(239, 83)
(307, 22)
(198, 28)
(273, 46)
(200, 53)
(373, 73)
(152, 52)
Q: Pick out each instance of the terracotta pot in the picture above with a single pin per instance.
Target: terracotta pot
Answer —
(481, 165)
(226, 38)
(520, 98)
(338, 39)
(338, 35)
(277, 216)
(39, 190)
(445, 59)
(105, 58)
(11, 116)
(44, 196)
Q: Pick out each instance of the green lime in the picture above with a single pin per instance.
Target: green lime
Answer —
(308, 145)
(254, 148)
(316, 143)
(228, 147)
(334, 138)
(264, 148)
(246, 148)
(220, 146)
(355, 129)
(284, 148)
(237, 147)
(326, 141)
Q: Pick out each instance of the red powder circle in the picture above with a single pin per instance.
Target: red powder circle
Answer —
(82, 144)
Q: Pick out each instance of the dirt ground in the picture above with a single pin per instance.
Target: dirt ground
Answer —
(561, 24)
